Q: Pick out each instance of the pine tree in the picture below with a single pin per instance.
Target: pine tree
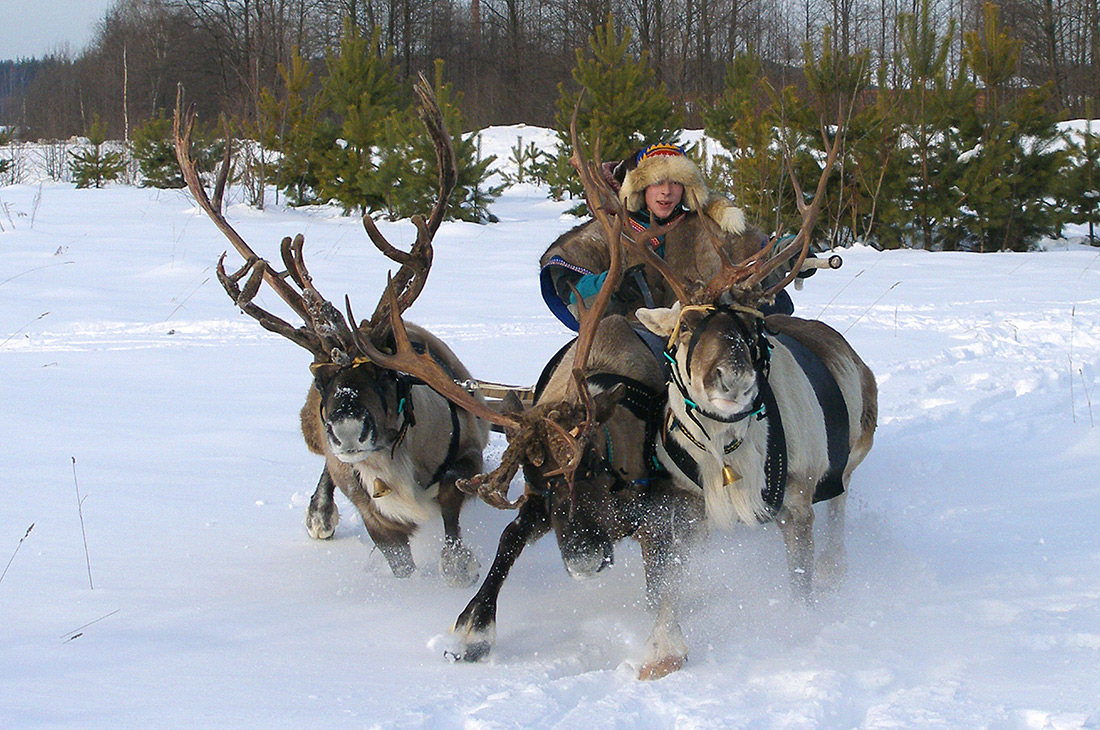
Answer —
(926, 111)
(407, 165)
(155, 152)
(153, 148)
(358, 95)
(5, 140)
(289, 124)
(1014, 162)
(622, 106)
(94, 166)
(878, 171)
(744, 122)
(1079, 187)
(835, 82)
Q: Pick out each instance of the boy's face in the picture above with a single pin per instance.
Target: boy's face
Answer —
(663, 197)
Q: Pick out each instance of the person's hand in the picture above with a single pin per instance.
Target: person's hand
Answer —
(631, 287)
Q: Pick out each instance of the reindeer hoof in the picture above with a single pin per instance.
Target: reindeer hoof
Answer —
(321, 523)
(400, 559)
(661, 667)
(473, 652)
(459, 566)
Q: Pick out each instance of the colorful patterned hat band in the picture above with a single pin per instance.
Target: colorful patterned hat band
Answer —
(659, 149)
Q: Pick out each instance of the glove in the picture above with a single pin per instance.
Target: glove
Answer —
(809, 271)
(633, 287)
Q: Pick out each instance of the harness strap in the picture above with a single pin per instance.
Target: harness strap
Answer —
(405, 409)
(834, 411)
(775, 463)
(775, 466)
(452, 448)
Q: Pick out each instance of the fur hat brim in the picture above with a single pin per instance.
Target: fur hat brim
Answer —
(674, 168)
(680, 169)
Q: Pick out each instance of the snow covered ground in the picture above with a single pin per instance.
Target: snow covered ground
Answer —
(141, 409)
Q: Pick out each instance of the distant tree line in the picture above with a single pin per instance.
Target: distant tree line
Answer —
(946, 144)
(507, 57)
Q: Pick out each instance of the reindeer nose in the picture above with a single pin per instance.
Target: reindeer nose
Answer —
(350, 435)
(727, 379)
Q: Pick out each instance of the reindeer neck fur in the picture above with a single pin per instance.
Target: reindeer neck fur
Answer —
(397, 478)
(729, 457)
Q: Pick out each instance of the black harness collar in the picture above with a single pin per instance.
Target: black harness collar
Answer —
(764, 407)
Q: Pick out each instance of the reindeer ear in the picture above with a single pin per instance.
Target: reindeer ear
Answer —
(606, 401)
(323, 373)
(660, 321)
(511, 404)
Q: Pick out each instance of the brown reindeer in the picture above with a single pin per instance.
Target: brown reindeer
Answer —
(391, 444)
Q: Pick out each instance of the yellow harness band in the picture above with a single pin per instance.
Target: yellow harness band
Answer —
(707, 308)
(680, 320)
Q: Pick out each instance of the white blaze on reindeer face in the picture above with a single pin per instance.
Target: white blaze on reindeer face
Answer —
(354, 412)
(715, 367)
(721, 362)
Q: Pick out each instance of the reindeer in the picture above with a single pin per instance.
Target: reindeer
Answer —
(391, 444)
(765, 415)
(585, 450)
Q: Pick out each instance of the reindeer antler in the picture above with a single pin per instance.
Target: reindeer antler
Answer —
(556, 432)
(415, 264)
(325, 330)
(326, 334)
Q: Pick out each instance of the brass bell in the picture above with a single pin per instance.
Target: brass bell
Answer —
(729, 476)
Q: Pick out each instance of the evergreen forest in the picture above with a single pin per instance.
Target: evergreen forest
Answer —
(952, 113)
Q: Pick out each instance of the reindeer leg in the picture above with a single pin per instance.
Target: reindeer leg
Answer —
(391, 538)
(832, 566)
(457, 562)
(322, 515)
(475, 629)
(667, 538)
(797, 526)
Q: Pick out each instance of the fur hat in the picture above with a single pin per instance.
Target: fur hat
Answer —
(660, 162)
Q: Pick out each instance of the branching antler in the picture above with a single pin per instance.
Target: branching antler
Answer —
(409, 280)
(304, 301)
(326, 333)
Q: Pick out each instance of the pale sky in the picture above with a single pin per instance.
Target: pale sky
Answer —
(34, 28)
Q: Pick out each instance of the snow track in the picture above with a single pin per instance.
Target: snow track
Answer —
(973, 593)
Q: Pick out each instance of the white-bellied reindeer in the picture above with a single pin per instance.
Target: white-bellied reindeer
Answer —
(391, 444)
(766, 415)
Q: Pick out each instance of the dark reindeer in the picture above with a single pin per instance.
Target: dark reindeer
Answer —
(600, 391)
(391, 444)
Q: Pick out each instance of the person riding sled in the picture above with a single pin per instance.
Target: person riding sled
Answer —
(659, 185)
